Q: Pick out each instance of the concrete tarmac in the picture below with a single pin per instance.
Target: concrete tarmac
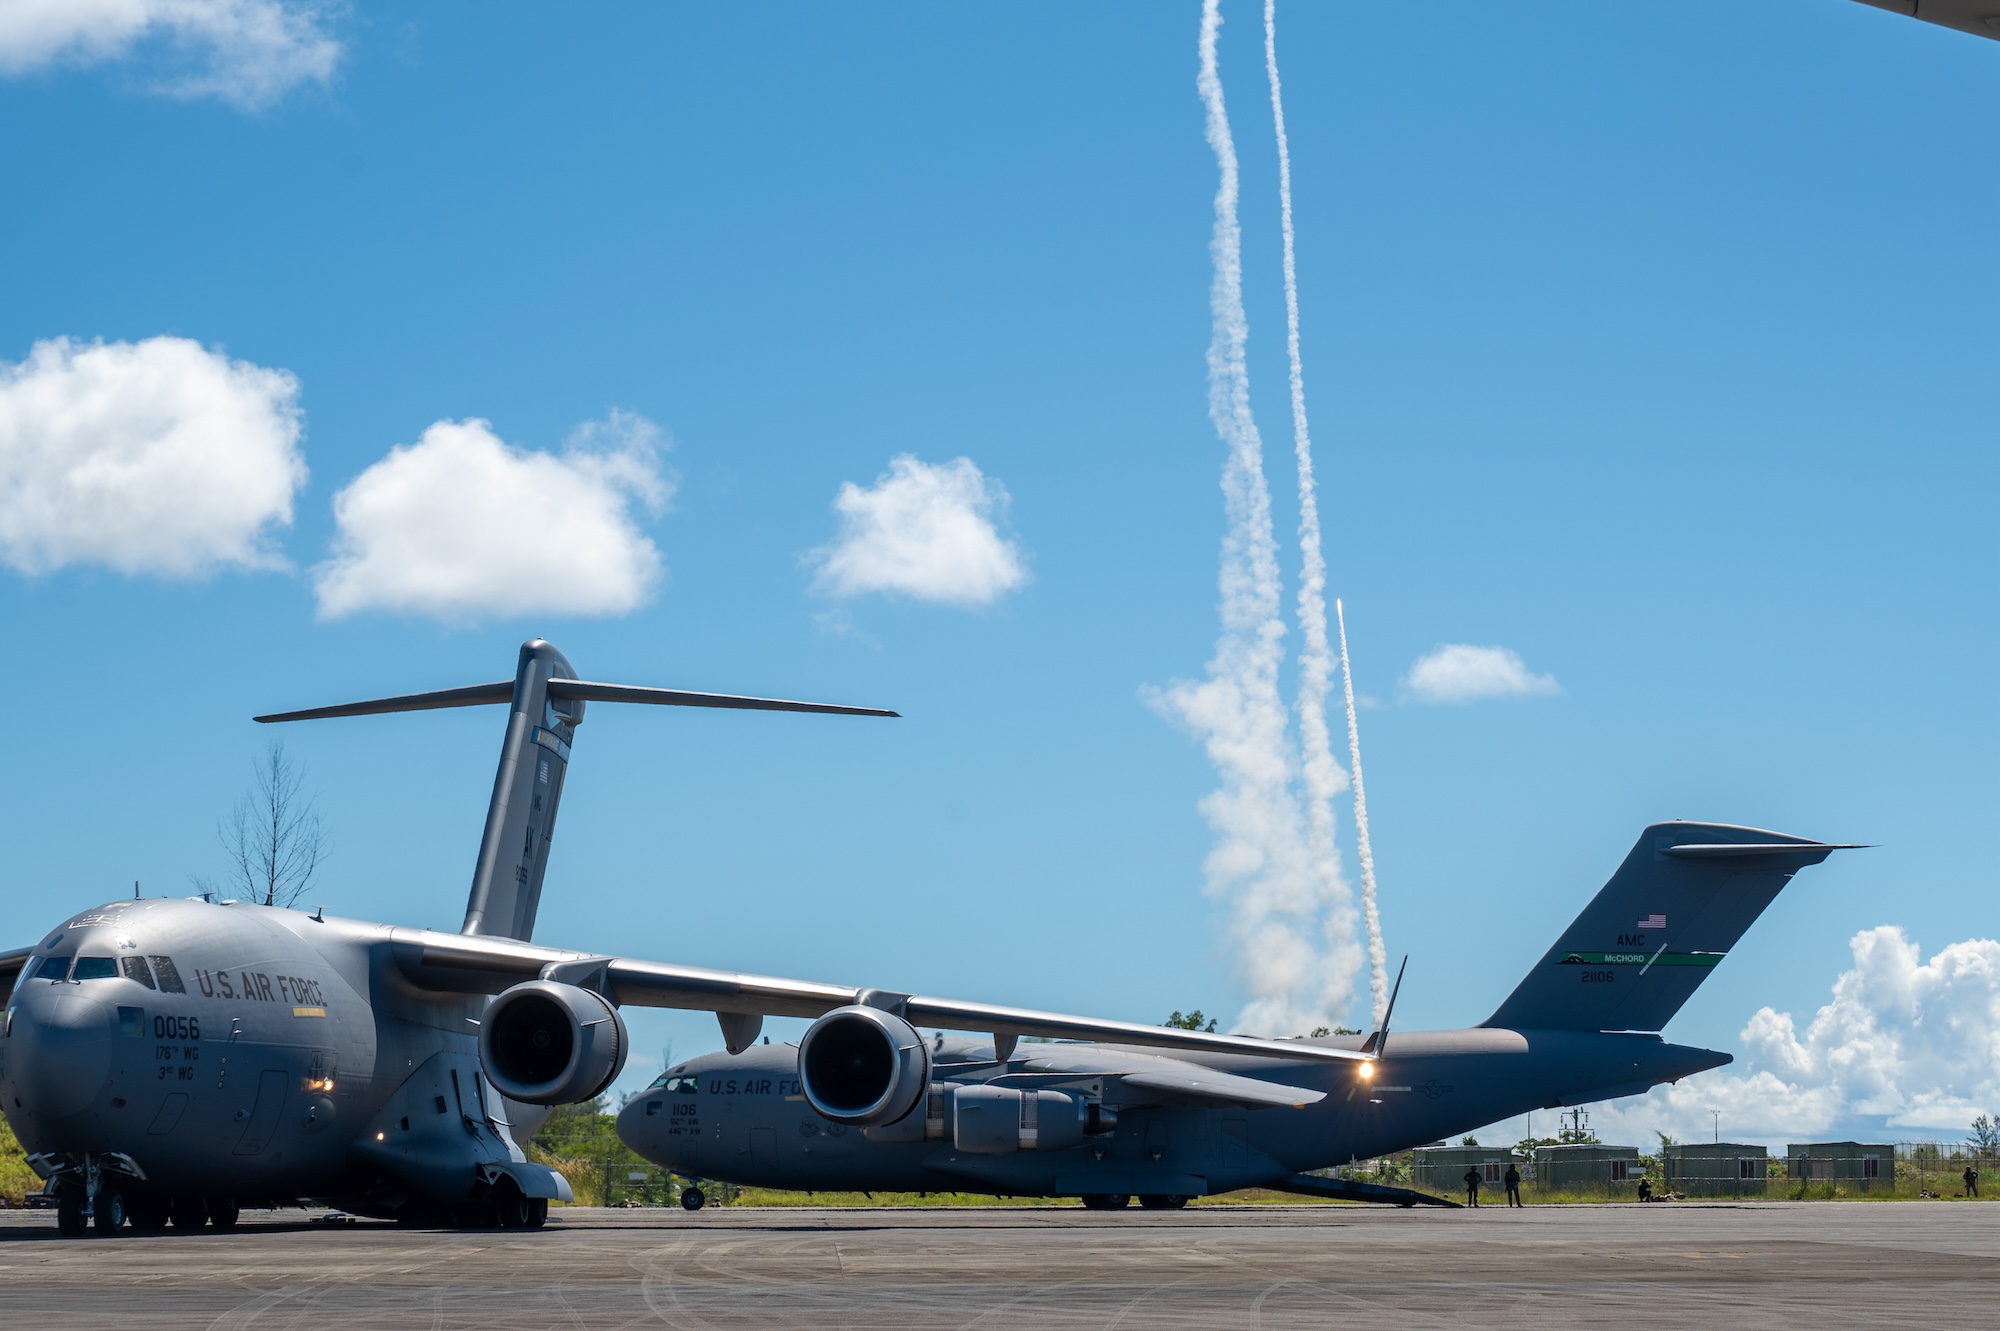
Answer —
(1774, 1264)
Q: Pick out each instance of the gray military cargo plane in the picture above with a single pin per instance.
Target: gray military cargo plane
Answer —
(1107, 1123)
(167, 1061)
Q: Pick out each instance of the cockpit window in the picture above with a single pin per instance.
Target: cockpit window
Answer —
(170, 976)
(137, 969)
(681, 1085)
(95, 968)
(53, 968)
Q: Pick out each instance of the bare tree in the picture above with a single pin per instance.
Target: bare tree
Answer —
(274, 839)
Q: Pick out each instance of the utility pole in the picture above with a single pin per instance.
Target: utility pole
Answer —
(1718, 1125)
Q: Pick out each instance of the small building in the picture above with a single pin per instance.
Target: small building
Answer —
(1716, 1169)
(1862, 1166)
(1442, 1168)
(1587, 1165)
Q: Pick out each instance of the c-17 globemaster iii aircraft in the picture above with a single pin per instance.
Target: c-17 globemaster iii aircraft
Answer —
(1108, 1123)
(168, 1061)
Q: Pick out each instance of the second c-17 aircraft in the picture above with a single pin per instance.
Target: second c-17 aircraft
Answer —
(1108, 1123)
(165, 1062)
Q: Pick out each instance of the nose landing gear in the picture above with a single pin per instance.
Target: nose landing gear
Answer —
(87, 1199)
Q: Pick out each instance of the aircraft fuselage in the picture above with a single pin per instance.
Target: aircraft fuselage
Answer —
(742, 1118)
(231, 1050)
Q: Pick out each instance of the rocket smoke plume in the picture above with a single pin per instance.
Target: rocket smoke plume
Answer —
(1323, 777)
(1260, 862)
(1378, 959)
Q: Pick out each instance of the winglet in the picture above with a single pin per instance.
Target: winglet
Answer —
(1375, 1043)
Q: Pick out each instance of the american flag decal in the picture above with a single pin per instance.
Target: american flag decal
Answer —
(1653, 922)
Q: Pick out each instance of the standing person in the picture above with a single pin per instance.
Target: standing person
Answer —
(1472, 1186)
(1972, 1180)
(1513, 1181)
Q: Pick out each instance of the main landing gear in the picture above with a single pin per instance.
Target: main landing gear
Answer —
(143, 1212)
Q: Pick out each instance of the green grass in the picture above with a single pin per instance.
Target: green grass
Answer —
(16, 1179)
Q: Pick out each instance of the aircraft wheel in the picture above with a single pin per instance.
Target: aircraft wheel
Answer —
(148, 1212)
(109, 1217)
(474, 1215)
(693, 1199)
(1106, 1201)
(1163, 1201)
(510, 1208)
(69, 1214)
(186, 1212)
(538, 1213)
(223, 1212)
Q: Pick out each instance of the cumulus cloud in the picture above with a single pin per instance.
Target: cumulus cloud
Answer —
(460, 525)
(1457, 673)
(248, 53)
(159, 457)
(924, 531)
(1905, 1049)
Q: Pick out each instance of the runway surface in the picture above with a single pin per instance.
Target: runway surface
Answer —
(1821, 1265)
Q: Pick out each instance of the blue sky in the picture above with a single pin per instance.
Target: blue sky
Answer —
(1653, 345)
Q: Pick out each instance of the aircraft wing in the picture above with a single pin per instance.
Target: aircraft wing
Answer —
(1136, 1077)
(11, 964)
(1979, 17)
(1198, 1083)
(462, 963)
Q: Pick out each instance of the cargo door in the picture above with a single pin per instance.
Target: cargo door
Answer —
(272, 1084)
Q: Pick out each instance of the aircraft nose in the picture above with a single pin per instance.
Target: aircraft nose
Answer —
(62, 1050)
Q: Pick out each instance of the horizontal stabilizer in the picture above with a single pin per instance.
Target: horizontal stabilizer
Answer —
(591, 692)
(478, 695)
(1756, 849)
(1222, 1088)
(472, 695)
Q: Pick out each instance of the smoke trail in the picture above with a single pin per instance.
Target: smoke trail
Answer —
(1323, 777)
(1378, 959)
(1260, 860)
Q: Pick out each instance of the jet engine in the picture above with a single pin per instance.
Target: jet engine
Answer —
(863, 1066)
(545, 1043)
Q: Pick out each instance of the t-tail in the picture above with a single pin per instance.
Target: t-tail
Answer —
(1666, 919)
(545, 706)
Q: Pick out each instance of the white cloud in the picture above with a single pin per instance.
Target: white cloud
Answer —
(248, 53)
(924, 531)
(158, 457)
(459, 525)
(1907, 1049)
(1457, 672)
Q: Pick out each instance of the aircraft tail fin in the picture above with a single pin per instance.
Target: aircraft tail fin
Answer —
(1673, 910)
(546, 706)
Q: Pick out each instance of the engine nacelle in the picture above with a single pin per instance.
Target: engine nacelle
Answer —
(545, 1043)
(863, 1066)
(998, 1120)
